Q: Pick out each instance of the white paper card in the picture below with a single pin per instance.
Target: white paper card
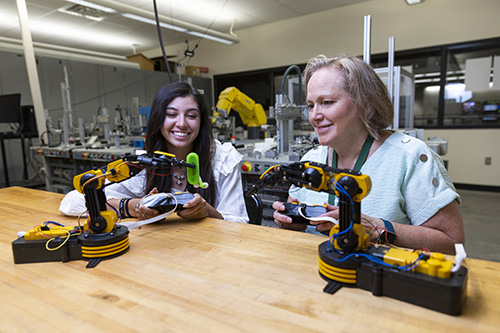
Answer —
(477, 74)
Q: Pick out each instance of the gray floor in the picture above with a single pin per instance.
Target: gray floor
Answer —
(481, 215)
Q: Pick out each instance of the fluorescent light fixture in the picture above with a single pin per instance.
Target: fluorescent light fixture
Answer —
(68, 53)
(153, 22)
(147, 16)
(413, 2)
(88, 35)
(432, 89)
(93, 5)
(217, 39)
(427, 80)
(176, 28)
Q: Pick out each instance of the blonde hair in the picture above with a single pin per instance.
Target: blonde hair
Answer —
(367, 91)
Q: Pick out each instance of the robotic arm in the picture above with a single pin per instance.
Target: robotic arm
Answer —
(349, 259)
(91, 184)
(350, 186)
(100, 237)
(252, 114)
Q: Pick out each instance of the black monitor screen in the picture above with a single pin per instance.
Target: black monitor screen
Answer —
(10, 108)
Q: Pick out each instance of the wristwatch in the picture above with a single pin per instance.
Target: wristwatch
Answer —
(387, 236)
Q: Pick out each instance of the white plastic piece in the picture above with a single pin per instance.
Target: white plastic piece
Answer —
(459, 257)
(136, 225)
(322, 218)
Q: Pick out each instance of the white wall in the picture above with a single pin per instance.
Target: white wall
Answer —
(434, 22)
(467, 151)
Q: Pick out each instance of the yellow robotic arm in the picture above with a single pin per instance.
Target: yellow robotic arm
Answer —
(252, 114)
(100, 237)
(92, 182)
(348, 258)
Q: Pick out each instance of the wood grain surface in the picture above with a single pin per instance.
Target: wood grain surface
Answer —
(209, 275)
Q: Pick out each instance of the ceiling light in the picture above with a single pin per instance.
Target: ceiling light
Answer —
(58, 52)
(147, 16)
(93, 5)
(81, 11)
(150, 21)
(413, 2)
(176, 28)
(88, 35)
(217, 39)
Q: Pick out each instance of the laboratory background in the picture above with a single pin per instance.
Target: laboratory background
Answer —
(77, 80)
(98, 73)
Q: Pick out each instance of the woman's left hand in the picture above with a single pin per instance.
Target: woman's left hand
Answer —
(142, 212)
(196, 208)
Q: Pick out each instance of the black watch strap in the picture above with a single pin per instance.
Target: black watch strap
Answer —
(388, 235)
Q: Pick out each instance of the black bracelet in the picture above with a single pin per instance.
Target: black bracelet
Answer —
(120, 208)
(126, 207)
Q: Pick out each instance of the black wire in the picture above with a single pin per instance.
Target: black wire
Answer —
(161, 41)
(220, 10)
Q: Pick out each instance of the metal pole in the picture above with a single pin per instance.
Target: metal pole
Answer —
(82, 131)
(367, 39)
(29, 55)
(390, 81)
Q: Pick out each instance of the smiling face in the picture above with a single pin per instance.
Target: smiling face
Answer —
(181, 125)
(332, 112)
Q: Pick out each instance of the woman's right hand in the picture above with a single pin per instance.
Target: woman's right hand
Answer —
(283, 221)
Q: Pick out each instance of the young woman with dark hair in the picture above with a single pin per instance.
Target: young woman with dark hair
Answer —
(179, 124)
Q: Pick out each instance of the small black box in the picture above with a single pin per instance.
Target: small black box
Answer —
(36, 250)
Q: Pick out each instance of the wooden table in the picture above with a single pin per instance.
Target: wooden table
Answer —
(208, 275)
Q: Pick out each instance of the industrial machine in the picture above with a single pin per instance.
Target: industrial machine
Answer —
(287, 113)
(348, 258)
(294, 137)
(90, 158)
(252, 114)
(100, 237)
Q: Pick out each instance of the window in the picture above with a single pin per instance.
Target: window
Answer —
(454, 84)
(471, 98)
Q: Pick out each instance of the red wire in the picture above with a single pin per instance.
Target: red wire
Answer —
(153, 173)
(41, 233)
(158, 174)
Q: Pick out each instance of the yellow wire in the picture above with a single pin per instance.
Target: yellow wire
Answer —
(269, 169)
(65, 237)
(58, 247)
(78, 220)
(40, 232)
